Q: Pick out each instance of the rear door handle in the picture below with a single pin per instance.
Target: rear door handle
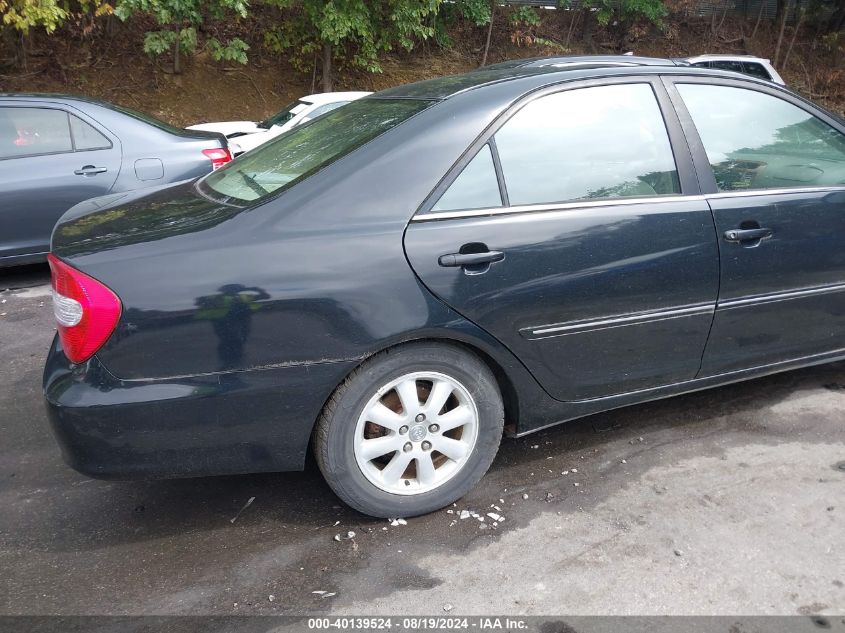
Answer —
(747, 235)
(470, 259)
(90, 170)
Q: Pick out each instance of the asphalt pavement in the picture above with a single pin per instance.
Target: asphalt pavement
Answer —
(727, 501)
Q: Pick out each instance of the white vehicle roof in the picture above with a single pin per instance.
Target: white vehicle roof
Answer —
(718, 56)
(322, 98)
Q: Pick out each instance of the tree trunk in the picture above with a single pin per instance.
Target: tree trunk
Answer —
(327, 67)
(12, 42)
(489, 32)
(794, 35)
(780, 9)
(314, 75)
(177, 55)
(785, 13)
(759, 17)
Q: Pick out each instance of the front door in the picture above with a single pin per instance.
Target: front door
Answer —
(50, 160)
(779, 170)
(570, 236)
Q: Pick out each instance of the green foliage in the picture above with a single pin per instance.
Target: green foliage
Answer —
(525, 17)
(627, 10)
(180, 19)
(23, 15)
(478, 12)
(233, 51)
(357, 30)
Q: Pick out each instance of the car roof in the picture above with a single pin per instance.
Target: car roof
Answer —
(726, 56)
(321, 98)
(52, 96)
(528, 78)
(582, 60)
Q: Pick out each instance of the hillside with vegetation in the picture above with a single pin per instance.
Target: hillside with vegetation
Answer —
(188, 61)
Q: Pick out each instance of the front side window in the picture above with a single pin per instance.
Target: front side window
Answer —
(599, 142)
(475, 188)
(755, 140)
(297, 154)
(33, 131)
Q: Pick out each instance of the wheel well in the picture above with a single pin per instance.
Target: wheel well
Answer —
(506, 388)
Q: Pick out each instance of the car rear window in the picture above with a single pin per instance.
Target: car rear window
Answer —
(301, 152)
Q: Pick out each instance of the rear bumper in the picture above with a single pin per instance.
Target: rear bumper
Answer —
(240, 422)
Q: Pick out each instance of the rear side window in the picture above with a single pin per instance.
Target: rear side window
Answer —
(475, 188)
(32, 131)
(724, 64)
(756, 70)
(304, 150)
(600, 142)
(755, 140)
(85, 136)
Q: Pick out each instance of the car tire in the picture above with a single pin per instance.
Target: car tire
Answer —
(431, 457)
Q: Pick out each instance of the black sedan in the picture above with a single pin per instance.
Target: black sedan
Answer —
(400, 281)
(56, 151)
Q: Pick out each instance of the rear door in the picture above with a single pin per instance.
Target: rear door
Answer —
(50, 159)
(574, 234)
(776, 184)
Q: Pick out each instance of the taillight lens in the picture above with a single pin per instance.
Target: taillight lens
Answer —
(86, 310)
(218, 157)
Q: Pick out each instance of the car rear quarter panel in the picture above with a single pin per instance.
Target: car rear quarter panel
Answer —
(317, 274)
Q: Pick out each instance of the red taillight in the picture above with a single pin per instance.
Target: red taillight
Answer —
(86, 310)
(218, 157)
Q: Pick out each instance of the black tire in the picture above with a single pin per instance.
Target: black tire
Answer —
(334, 436)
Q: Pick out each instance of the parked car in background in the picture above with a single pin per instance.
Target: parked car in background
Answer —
(56, 151)
(745, 64)
(579, 61)
(247, 135)
(396, 281)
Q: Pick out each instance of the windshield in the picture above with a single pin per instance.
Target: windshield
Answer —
(280, 118)
(297, 154)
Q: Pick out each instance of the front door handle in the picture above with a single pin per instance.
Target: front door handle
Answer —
(470, 259)
(747, 235)
(90, 170)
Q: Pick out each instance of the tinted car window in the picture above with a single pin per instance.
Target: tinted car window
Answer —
(757, 141)
(724, 64)
(283, 116)
(30, 131)
(297, 154)
(475, 188)
(756, 70)
(86, 136)
(602, 142)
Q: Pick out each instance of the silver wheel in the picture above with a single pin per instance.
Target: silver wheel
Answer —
(416, 433)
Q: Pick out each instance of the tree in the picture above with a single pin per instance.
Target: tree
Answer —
(18, 17)
(180, 20)
(352, 31)
(608, 11)
(23, 15)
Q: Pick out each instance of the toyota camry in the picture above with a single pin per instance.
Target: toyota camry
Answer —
(396, 285)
